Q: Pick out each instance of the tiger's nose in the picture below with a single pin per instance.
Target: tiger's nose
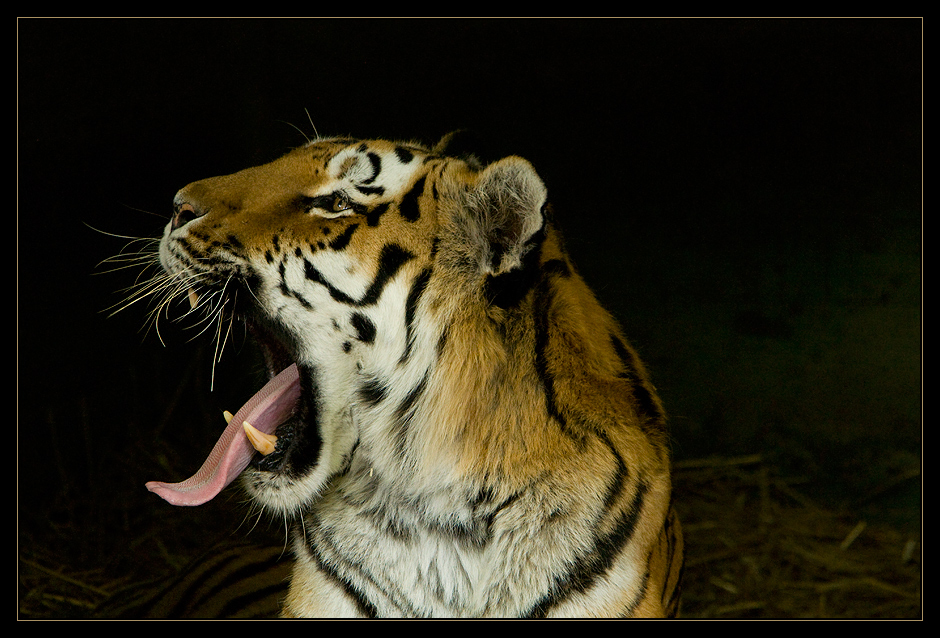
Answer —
(184, 212)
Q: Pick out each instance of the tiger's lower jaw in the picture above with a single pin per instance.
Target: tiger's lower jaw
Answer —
(295, 484)
(312, 443)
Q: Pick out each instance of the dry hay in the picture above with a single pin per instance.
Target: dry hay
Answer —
(757, 548)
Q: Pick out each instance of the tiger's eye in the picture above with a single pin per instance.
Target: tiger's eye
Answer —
(340, 203)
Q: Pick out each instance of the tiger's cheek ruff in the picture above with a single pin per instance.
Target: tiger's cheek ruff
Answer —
(471, 435)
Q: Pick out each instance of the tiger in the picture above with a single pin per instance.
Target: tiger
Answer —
(451, 422)
(230, 580)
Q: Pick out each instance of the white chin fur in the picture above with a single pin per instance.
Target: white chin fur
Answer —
(284, 495)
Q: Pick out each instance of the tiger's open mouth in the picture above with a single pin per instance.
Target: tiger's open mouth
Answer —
(249, 431)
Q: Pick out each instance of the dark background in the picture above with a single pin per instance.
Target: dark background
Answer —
(744, 194)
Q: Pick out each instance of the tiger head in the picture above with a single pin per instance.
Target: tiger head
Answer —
(350, 262)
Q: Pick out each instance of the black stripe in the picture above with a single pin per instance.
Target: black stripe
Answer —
(373, 391)
(311, 273)
(371, 190)
(363, 604)
(542, 302)
(589, 567)
(411, 306)
(318, 544)
(233, 243)
(372, 216)
(672, 589)
(392, 258)
(442, 341)
(365, 329)
(507, 290)
(403, 416)
(556, 267)
(621, 475)
(542, 310)
(403, 154)
(342, 240)
(185, 248)
(409, 208)
(376, 162)
(649, 412)
(285, 289)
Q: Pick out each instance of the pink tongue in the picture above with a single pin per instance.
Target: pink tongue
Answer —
(266, 410)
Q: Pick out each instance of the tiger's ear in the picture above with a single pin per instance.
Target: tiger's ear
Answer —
(508, 203)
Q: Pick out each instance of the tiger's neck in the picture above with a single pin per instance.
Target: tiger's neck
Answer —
(468, 406)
